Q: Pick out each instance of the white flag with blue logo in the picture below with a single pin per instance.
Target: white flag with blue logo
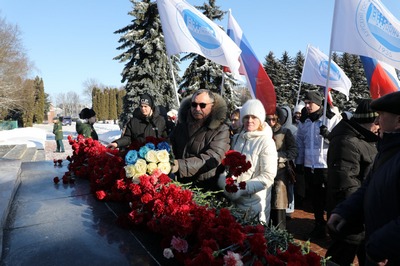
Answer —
(315, 71)
(366, 27)
(187, 30)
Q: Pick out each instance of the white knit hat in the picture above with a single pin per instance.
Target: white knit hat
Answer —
(253, 107)
(298, 107)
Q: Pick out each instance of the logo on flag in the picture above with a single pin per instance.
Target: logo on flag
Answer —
(201, 31)
(376, 29)
(187, 30)
(366, 27)
(315, 71)
(334, 72)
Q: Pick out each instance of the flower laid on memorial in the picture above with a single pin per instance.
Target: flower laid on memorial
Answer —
(147, 159)
(191, 234)
(235, 164)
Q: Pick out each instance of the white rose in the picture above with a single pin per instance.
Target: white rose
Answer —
(151, 156)
(141, 167)
(168, 253)
(165, 168)
(130, 170)
(151, 167)
(163, 156)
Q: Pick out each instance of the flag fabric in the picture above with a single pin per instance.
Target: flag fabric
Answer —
(366, 27)
(258, 81)
(315, 71)
(187, 30)
(382, 78)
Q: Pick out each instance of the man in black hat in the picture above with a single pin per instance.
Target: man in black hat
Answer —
(377, 202)
(312, 152)
(351, 154)
(146, 122)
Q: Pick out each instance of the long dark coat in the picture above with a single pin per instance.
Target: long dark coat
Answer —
(199, 153)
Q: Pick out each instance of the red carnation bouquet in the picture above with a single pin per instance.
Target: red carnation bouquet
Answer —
(235, 164)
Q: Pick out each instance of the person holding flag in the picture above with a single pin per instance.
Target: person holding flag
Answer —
(312, 154)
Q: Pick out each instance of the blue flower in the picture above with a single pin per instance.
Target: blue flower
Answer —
(150, 146)
(143, 151)
(131, 157)
(164, 146)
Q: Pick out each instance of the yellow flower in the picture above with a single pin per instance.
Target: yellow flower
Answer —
(151, 156)
(163, 156)
(165, 168)
(151, 167)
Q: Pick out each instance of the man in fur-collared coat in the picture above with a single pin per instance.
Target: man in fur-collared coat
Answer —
(200, 139)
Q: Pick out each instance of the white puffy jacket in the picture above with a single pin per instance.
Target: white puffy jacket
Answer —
(259, 148)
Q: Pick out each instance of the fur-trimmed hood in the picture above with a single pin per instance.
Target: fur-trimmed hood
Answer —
(216, 118)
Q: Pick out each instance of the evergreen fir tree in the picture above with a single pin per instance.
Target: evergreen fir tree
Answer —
(112, 110)
(120, 103)
(147, 68)
(28, 108)
(38, 87)
(96, 101)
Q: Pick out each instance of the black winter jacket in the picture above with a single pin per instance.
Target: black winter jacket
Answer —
(351, 153)
(139, 127)
(201, 152)
(378, 202)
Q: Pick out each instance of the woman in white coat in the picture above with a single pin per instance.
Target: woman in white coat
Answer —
(256, 142)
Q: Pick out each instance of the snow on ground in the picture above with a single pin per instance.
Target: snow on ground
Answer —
(30, 136)
(107, 132)
(38, 134)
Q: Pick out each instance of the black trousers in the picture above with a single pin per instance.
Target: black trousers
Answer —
(316, 179)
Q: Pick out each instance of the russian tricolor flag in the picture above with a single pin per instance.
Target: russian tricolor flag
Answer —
(381, 77)
(258, 82)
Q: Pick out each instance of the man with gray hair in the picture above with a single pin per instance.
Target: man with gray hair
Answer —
(200, 139)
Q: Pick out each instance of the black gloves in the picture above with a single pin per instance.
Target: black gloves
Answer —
(323, 131)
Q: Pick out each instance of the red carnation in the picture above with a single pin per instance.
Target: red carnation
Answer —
(100, 194)
(56, 180)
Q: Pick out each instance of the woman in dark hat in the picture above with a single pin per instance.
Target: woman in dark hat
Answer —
(84, 126)
(146, 122)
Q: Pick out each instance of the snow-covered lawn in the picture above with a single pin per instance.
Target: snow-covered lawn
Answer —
(37, 135)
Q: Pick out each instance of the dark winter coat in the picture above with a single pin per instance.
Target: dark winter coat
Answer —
(378, 202)
(139, 127)
(199, 153)
(86, 129)
(351, 153)
(286, 147)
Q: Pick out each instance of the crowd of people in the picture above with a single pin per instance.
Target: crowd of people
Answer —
(346, 164)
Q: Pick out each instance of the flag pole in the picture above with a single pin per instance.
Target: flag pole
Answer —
(173, 78)
(326, 88)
